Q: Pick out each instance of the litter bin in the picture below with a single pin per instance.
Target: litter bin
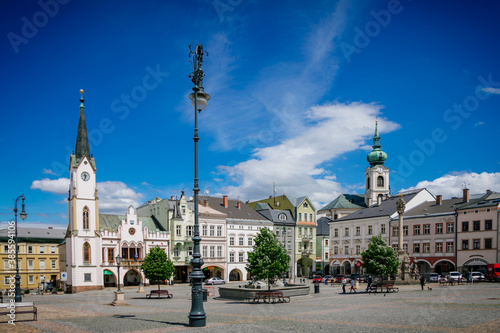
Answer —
(316, 288)
(205, 295)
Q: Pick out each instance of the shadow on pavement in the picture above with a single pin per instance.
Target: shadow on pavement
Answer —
(154, 321)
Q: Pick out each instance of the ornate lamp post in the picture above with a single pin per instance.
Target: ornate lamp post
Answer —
(118, 262)
(199, 99)
(284, 245)
(22, 215)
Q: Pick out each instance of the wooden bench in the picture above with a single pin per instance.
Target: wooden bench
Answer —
(159, 294)
(269, 297)
(21, 307)
(389, 287)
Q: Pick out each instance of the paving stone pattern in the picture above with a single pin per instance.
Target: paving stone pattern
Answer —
(463, 308)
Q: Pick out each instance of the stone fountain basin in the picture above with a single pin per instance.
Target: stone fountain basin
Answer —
(244, 293)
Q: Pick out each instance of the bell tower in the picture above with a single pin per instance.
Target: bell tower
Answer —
(376, 175)
(83, 239)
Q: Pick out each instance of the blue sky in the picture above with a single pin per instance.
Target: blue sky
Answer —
(296, 88)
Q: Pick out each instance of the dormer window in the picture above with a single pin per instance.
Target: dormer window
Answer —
(282, 217)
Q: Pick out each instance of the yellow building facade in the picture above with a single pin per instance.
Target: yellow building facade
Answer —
(38, 257)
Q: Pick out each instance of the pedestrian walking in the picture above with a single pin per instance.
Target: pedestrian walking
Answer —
(422, 281)
(344, 282)
(353, 281)
(369, 282)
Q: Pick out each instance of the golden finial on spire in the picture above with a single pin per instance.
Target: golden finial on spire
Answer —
(81, 92)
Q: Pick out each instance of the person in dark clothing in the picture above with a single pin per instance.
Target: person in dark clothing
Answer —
(422, 281)
(369, 282)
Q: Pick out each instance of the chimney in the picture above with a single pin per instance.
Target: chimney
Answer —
(205, 202)
(439, 199)
(466, 195)
(238, 205)
(225, 201)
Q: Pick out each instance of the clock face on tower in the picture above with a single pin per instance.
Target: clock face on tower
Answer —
(85, 176)
(380, 170)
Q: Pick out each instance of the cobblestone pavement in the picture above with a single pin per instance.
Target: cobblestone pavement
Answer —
(462, 308)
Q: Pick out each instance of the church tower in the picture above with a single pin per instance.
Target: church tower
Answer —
(83, 239)
(376, 175)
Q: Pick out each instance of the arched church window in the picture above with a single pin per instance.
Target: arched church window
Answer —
(86, 217)
(86, 253)
(380, 181)
(368, 183)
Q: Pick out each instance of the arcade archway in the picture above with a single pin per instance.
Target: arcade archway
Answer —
(235, 275)
(132, 278)
(109, 278)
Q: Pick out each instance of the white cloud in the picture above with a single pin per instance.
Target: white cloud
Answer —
(490, 90)
(56, 186)
(49, 172)
(451, 185)
(295, 164)
(114, 197)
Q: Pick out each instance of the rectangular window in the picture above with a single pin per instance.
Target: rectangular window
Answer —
(395, 231)
(346, 249)
(204, 230)
(5, 249)
(219, 251)
(231, 257)
(178, 230)
(212, 251)
(250, 241)
(219, 231)
(465, 244)
(465, 226)
(477, 225)
(6, 265)
(439, 228)
(427, 229)
(326, 256)
(405, 247)
(382, 228)
(335, 250)
(405, 230)
(449, 247)
(358, 249)
(300, 216)
(311, 217)
(30, 249)
(53, 264)
(358, 230)
(346, 232)
(449, 228)
(176, 251)
(189, 230)
(31, 264)
(370, 230)
(190, 251)
(487, 243)
(416, 230)
(87, 277)
(42, 264)
(31, 279)
(476, 243)
(6, 280)
(231, 240)
(212, 230)
(241, 241)
(277, 233)
(336, 233)
(42, 249)
(289, 245)
(326, 242)
(241, 257)
(427, 247)
(416, 248)
(52, 249)
(487, 225)
(204, 251)
(439, 247)
(111, 255)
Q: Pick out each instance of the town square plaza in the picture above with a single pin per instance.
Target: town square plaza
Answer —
(459, 308)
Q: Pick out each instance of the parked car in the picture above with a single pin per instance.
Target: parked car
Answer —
(215, 280)
(456, 276)
(477, 276)
(433, 277)
(339, 278)
(327, 278)
(317, 278)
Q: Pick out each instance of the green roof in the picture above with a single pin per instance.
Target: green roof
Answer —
(111, 222)
(347, 201)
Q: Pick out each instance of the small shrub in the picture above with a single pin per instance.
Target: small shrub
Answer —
(27, 291)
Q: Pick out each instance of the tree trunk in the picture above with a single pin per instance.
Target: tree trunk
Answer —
(158, 285)
(268, 284)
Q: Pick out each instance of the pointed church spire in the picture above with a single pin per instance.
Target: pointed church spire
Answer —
(376, 156)
(82, 141)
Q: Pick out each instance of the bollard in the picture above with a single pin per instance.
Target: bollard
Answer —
(316, 288)
(205, 295)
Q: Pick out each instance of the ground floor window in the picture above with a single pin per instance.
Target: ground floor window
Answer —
(87, 277)
(31, 279)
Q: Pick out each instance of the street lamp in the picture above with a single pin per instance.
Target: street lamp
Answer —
(199, 99)
(118, 262)
(22, 215)
(286, 250)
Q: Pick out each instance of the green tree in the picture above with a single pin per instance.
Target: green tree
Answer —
(380, 259)
(268, 260)
(157, 267)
